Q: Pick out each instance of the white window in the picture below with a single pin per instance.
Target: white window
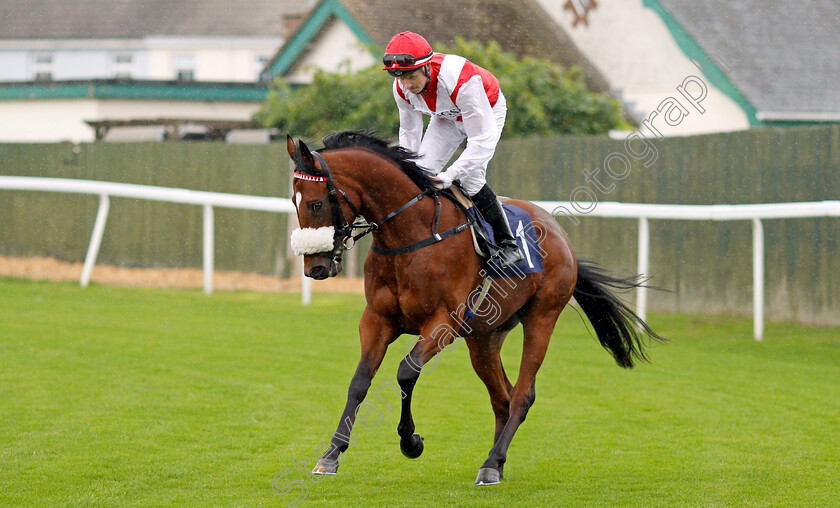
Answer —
(259, 64)
(121, 65)
(185, 75)
(42, 66)
(184, 67)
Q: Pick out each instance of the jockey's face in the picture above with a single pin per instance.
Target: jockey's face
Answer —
(416, 81)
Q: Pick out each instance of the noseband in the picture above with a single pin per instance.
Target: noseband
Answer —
(343, 228)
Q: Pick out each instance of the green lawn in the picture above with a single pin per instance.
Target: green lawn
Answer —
(113, 396)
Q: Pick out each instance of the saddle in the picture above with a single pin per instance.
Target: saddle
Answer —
(482, 236)
(481, 240)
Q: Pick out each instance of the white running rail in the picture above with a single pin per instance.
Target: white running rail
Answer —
(755, 213)
(643, 212)
(208, 200)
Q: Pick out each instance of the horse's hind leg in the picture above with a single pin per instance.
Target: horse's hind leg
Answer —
(487, 362)
(538, 326)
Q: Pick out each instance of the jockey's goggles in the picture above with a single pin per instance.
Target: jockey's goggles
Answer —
(403, 63)
(398, 73)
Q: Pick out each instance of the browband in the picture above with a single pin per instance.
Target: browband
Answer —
(310, 178)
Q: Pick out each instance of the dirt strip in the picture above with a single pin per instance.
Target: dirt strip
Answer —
(53, 269)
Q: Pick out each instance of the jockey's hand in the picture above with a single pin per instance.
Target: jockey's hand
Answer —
(442, 181)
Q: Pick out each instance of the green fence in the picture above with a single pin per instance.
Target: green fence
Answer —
(705, 266)
(147, 233)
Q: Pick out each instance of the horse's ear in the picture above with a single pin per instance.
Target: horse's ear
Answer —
(306, 155)
(290, 146)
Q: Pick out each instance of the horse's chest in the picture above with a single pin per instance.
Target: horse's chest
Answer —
(411, 292)
(402, 303)
(413, 306)
(384, 301)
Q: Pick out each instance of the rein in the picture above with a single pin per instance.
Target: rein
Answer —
(344, 228)
(436, 237)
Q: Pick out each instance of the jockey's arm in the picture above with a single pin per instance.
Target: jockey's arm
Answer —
(479, 126)
(411, 123)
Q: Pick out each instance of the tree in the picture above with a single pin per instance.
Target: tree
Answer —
(542, 99)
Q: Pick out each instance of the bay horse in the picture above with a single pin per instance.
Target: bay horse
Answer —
(422, 273)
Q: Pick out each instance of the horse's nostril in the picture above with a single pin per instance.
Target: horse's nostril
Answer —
(335, 268)
(318, 272)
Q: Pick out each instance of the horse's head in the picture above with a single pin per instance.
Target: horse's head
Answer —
(322, 211)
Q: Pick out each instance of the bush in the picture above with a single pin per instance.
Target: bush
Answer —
(542, 99)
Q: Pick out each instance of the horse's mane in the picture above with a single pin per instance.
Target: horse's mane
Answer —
(404, 158)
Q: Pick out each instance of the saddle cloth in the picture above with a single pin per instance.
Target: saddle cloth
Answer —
(523, 230)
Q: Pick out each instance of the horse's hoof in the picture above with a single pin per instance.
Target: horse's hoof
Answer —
(414, 448)
(325, 467)
(487, 476)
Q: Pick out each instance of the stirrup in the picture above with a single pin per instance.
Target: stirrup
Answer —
(508, 256)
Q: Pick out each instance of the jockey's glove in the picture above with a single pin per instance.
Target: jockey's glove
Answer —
(444, 179)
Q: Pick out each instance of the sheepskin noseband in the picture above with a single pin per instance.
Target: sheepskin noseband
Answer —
(312, 240)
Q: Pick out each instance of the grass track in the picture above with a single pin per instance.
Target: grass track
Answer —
(134, 397)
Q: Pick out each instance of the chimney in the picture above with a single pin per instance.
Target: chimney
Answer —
(292, 22)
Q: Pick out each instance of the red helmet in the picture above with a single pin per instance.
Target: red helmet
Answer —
(406, 52)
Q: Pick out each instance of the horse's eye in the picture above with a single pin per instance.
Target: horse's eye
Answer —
(315, 206)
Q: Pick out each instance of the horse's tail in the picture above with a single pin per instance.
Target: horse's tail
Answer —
(619, 329)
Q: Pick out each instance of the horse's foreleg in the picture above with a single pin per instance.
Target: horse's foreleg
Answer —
(430, 342)
(375, 337)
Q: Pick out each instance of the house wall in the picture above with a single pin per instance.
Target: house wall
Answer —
(64, 120)
(353, 56)
(47, 120)
(230, 59)
(214, 59)
(14, 66)
(125, 109)
(634, 50)
(69, 60)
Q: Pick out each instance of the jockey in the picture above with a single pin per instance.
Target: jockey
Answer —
(464, 102)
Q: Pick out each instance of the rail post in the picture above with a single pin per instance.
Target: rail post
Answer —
(643, 266)
(208, 249)
(95, 239)
(758, 279)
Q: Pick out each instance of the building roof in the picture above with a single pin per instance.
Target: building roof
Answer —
(519, 26)
(782, 56)
(98, 19)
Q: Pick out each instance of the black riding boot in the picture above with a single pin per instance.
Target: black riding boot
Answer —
(490, 208)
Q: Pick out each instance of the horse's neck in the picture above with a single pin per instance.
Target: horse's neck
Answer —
(385, 188)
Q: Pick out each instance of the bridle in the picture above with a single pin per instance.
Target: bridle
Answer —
(344, 239)
(344, 229)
